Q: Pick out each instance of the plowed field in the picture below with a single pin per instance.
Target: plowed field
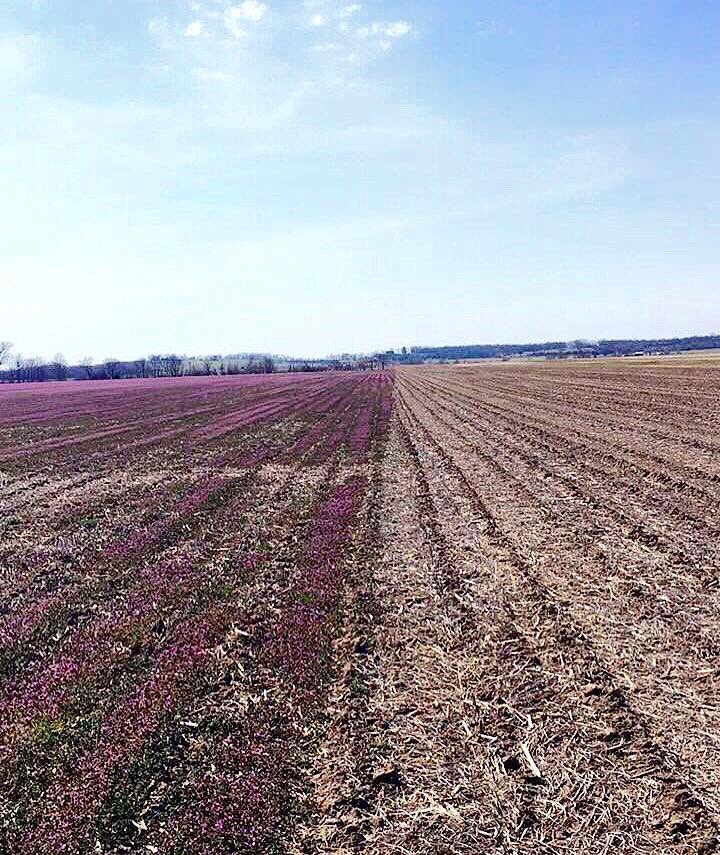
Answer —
(446, 609)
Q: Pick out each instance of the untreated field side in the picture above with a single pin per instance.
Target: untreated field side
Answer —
(174, 568)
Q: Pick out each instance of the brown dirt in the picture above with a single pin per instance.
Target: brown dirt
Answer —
(542, 671)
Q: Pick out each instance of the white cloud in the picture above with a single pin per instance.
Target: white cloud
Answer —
(231, 22)
(393, 30)
(318, 20)
(348, 11)
(249, 10)
(325, 47)
(13, 59)
(196, 28)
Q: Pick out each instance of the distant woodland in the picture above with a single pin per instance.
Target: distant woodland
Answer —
(15, 368)
(559, 349)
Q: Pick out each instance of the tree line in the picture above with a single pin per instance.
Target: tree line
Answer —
(559, 349)
(15, 368)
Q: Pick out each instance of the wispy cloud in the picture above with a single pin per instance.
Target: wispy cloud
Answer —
(269, 35)
(236, 18)
(348, 11)
(250, 10)
(195, 28)
(494, 28)
(393, 30)
(15, 58)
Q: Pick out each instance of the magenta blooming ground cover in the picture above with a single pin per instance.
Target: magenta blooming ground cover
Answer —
(245, 773)
(174, 557)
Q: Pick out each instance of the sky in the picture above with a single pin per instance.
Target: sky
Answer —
(323, 176)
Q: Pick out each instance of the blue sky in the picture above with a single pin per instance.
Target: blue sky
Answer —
(311, 177)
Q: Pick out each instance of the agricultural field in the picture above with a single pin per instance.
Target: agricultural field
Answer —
(443, 609)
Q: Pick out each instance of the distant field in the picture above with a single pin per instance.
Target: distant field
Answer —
(445, 609)
(713, 353)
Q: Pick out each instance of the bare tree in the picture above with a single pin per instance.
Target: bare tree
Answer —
(173, 365)
(33, 370)
(154, 364)
(112, 368)
(87, 365)
(58, 367)
(16, 367)
(38, 369)
(5, 348)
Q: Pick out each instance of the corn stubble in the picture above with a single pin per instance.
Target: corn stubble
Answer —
(442, 609)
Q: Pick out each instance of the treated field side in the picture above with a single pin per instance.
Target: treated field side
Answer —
(467, 609)
(545, 672)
